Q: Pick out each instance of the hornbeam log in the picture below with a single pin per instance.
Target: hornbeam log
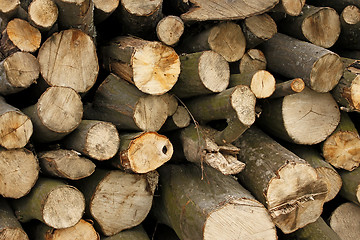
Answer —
(180, 119)
(58, 112)
(69, 59)
(10, 227)
(52, 202)
(43, 14)
(342, 148)
(318, 25)
(236, 105)
(253, 60)
(202, 73)
(287, 185)
(345, 221)
(289, 87)
(320, 68)
(350, 189)
(95, 139)
(8, 8)
(350, 23)
(198, 208)
(117, 200)
(261, 82)
(142, 152)
(65, 164)
(103, 9)
(135, 233)
(124, 105)
(19, 170)
(307, 117)
(290, 7)
(169, 30)
(151, 66)
(338, 5)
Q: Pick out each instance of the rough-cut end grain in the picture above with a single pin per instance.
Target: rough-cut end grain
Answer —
(13, 233)
(83, 230)
(181, 117)
(63, 207)
(355, 93)
(345, 221)
(262, 26)
(297, 85)
(253, 60)
(262, 84)
(243, 101)
(43, 13)
(7, 6)
(23, 35)
(225, 163)
(141, 7)
(240, 219)
(351, 14)
(332, 180)
(107, 6)
(170, 29)
(293, 7)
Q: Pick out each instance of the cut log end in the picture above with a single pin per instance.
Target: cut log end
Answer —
(351, 14)
(297, 85)
(170, 29)
(107, 6)
(13, 233)
(332, 180)
(141, 8)
(244, 215)
(9, 6)
(262, 84)
(83, 230)
(345, 221)
(262, 26)
(43, 13)
(243, 101)
(181, 117)
(23, 35)
(253, 60)
(293, 7)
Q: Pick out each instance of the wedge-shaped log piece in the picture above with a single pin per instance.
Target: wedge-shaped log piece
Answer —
(350, 189)
(287, 185)
(236, 105)
(345, 221)
(52, 202)
(288, 87)
(253, 60)
(69, 59)
(43, 14)
(290, 7)
(320, 68)
(65, 164)
(103, 9)
(151, 66)
(8, 8)
(95, 139)
(169, 30)
(117, 200)
(199, 208)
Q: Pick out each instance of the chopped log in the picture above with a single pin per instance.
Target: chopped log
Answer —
(350, 189)
(320, 68)
(180, 119)
(52, 202)
(342, 148)
(95, 139)
(8, 8)
(198, 208)
(19, 170)
(142, 152)
(261, 82)
(65, 164)
(318, 25)
(236, 105)
(202, 73)
(15, 127)
(169, 30)
(58, 112)
(253, 60)
(289, 87)
(225, 38)
(350, 23)
(345, 221)
(257, 29)
(117, 200)
(83, 230)
(135, 233)
(10, 228)
(103, 9)
(287, 185)
(290, 7)
(307, 117)
(203, 10)
(43, 14)
(19, 35)
(338, 5)
(69, 59)
(151, 66)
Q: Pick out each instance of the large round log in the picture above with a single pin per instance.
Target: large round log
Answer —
(345, 221)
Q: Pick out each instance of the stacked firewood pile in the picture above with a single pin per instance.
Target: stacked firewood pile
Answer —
(218, 119)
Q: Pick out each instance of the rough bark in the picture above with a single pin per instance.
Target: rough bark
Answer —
(135, 233)
(338, 5)
(43, 14)
(290, 7)
(345, 221)
(253, 60)
(288, 87)
(103, 9)
(180, 119)
(350, 189)
(287, 185)
(170, 29)
(8, 8)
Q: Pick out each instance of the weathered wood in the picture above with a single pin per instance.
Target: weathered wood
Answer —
(307, 117)
(288, 87)
(95, 139)
(345, 221)
(320, 68)
(58, 112)
(43, 14)
(117, 200)
(287, 185)
(180, 119)
(289, 7)
(52, 202)
(350, 189)
(8, 8)
(103, 9)
(198, 208)
(135, 233)
(350, 23)
(253, 60)
(65, 164)
(150, 65)
(170, 29)
(201, 73)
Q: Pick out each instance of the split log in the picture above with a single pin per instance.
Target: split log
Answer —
(318, 25)
(103, 9)
(338, 5)
(199, 208)
(19, 170)
(202, 73)
(350, 23)
(289, 87)
(8, 8)
(345, 221)
(58, 112)
(287, 185)
(261, 82)
(350, 189)
(180, 119)
(320, 68)
(170, 29)
(227, 39)
(65, 164)
(142, 152)
(95, 139)
(258, 29)
(342, 148)
(10, 228)
(135, 233)
(151, 66)
(307, 117)
(83, 230)
(69, 59)
(236, 105)
(52, 202)
(117, 200)
(253, 60)
(290, 7)
(43, 14)
(15, 127)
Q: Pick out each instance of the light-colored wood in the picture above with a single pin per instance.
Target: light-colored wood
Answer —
(288, 87)
(350, 189)
(290, 7)
(8, 7)
(103, 9)
(253, 60)
(43, 14)
(135, 233)
(69, 59)
(180, 119)
(350, 22)
(170, 29)
(345, 221)
(351, 14)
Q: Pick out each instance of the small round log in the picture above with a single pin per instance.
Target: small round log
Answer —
(350, 189)
(289, 87)
(170, 29)
(8, 8)
(103, 9)
(289, 7)
(350, 22)
(180, 119)
(345, 221)
(43, 14)
(253, 60)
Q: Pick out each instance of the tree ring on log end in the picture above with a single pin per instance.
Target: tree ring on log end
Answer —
(141, 7)
(13, 233)
(355, 92)
(243, 101)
